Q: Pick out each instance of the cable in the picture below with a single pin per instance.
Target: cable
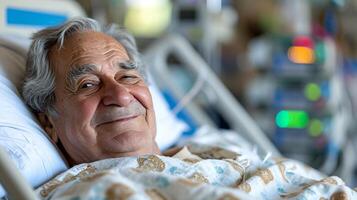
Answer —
(197, 86)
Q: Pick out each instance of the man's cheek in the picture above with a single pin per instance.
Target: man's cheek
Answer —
(80, 112)
(142, 94)
(86, 114)
(152, 123)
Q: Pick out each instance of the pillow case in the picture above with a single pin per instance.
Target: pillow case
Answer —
(20, 134)
(23, 138)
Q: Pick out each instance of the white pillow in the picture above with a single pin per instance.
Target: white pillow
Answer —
(23, 138)
(20, 135)
(168, 127)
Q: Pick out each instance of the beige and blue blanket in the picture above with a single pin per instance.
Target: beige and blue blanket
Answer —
(196, 171)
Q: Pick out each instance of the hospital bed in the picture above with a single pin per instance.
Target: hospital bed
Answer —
(23, 17)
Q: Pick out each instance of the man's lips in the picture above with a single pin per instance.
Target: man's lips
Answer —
(121, 119)
(114, 113)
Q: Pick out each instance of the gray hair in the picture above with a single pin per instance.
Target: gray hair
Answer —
(39, 85)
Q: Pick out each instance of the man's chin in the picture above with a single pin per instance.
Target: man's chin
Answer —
(131, 143)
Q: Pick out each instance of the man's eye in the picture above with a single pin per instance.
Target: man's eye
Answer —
(130, 79)
(87, 85)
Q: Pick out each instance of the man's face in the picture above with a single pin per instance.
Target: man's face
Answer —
(104, 106)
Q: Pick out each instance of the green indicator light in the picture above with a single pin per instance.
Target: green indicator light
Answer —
(292, 119)
(282, 119)
(316, 127)
(312, 91)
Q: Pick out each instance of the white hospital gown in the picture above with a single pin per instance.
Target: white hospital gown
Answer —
(195, 172)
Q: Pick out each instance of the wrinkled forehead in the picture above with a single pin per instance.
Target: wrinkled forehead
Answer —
(85, 42)
(86, 48)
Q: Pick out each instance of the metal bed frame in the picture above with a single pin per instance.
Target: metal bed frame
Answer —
(13, 182)
(229, 107)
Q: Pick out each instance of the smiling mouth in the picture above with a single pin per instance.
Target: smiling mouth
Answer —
(124, 119)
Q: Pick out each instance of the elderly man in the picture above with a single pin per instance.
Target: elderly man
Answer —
(88, 85)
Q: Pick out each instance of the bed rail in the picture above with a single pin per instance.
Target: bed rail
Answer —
(231, 109)
(13, 182)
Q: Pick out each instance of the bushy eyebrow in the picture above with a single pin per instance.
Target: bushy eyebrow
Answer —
(128, 65)
(77, 72)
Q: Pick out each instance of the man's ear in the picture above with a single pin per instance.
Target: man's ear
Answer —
(47, 124)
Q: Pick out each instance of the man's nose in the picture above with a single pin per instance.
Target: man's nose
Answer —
(117, 94)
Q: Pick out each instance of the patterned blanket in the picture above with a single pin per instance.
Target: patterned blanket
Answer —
(196, 171)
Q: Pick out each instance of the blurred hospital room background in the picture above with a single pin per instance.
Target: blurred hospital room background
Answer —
(291, 64)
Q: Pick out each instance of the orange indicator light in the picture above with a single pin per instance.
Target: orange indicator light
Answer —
(301, 55)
